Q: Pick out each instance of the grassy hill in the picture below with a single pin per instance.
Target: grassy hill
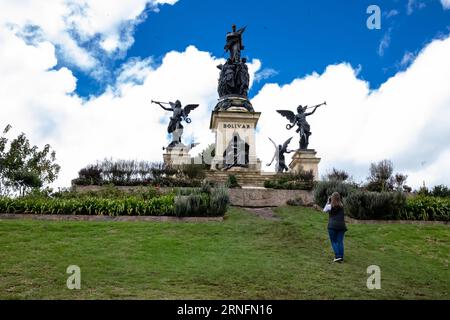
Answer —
(243, 257)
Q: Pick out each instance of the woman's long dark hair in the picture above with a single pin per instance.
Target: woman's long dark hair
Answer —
(336, 200)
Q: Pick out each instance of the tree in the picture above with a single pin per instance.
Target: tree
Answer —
(399, 181)
(380, 178)
(337, 175)
(24, 167)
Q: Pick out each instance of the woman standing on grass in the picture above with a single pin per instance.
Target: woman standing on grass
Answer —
(336, 225)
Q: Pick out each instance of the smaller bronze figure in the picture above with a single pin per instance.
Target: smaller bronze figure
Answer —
(243, 78)
(280, 150)
(175, 125)
(299, 120)
(227, 82)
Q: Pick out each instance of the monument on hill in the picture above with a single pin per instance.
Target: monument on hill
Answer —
(234, 123)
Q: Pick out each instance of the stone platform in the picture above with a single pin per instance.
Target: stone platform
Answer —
(244, 177)
(305, 160)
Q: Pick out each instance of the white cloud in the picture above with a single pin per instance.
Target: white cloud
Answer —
(81, 30)
(445, 4)
(408, 57)
(391, 13)
(265, 74)
(407, 119)
(414, 4)
(384, 43)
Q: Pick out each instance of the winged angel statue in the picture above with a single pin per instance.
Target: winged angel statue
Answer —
(299, 120)
(280, 150)
(179, 114)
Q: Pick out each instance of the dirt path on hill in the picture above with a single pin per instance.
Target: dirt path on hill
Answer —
(264, 213)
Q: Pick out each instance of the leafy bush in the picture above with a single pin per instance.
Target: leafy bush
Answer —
(196, 202)
(380, 178)
(440, 191)
(295, 202)
(426, 208)
(374, 205)
(194, 171)
(232, 181)
(219, 201)
(324, 189)
(423, 191)
(136, 173)
(290, 181)
(90, 174)
(337, 175)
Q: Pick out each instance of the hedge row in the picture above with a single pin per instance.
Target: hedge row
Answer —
(189, 202)
(426, 208)
(368, 205)
(395, 206)
(375, 205)
(202, 201)
(159, 206)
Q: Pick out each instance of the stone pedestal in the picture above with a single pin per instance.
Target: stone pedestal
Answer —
(229, 124)
(305, 160)
(177, 156)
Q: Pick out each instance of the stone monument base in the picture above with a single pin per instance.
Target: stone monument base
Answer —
(235, 129)
(305, 160)
(178, 156)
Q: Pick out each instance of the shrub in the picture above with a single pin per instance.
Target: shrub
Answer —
(194, 171)
(290, 181)
(305, 176)
(136, 173)
(440, 191)
(423, 191)
(399, 180)
(382, 172)
(337, 175)
(219, 201)
(407, 189)
(91, 175)
(324, 189)
(376, 186)
(196, 202)
(232, 181)
(426, 208)
(298, 201)
(374, 205)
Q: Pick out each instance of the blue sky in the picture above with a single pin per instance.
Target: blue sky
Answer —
(292, 38)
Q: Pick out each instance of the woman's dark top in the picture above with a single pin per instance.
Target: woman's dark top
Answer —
(336, 219)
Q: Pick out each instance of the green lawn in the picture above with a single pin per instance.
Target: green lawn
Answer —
(243, 257)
